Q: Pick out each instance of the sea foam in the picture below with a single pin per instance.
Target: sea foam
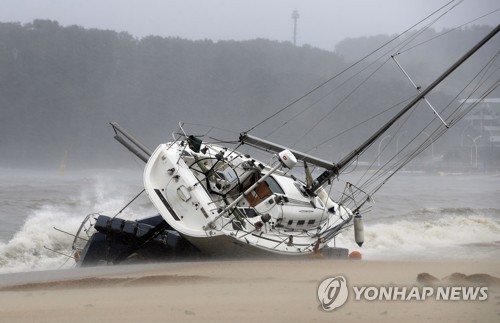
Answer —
(447, 233)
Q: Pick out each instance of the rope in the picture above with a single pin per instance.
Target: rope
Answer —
(129, 203)
(341, 101)
(397, 48)
(394, 168)
(361, 123)
(346, 69)
(449, 31)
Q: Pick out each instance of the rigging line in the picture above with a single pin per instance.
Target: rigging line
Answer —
(476, 102)
(405, 120)
(421, 31)
(404, 161)
(379, 174)
(443, 130)
(211, 127)
(370, 76)
(449, 31)
(341, 101)
(129, 203)
(418, 90)
(361, 123)
(322, 98)
(488, 91)
(409, 40)
(480, 83)
(391, 170)
(385, 168)
(331, 91)
(347, 68)
(409, 156)
(464, 112)
(219, 141)
(355, 160)
(386, 179)
(483, 70)
(401, 45)
(390, 140)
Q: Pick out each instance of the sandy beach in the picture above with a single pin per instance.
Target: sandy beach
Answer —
(237, 291)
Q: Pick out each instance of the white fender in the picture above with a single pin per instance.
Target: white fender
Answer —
(359, 230)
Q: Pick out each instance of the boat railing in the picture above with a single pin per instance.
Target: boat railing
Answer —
(84, 232)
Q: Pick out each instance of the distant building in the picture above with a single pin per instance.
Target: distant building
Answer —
(484, 121)
(479, 147)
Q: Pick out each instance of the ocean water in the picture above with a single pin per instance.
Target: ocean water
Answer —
(33, 203)
(414, 217)
(433, 217)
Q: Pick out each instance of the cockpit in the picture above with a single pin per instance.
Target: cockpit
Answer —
(265, 189)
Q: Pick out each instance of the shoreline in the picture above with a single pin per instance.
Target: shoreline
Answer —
(235, 290)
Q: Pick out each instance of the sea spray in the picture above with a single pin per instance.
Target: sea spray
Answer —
(62, 203)
(461, 220)
(26, 250)
(441, 233)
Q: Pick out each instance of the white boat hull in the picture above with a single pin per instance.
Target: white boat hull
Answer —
(276, 218)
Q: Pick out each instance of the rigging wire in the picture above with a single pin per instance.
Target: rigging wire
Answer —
(427, 145)
(485, 77)
(346, 69)
(391, 170)
(361, 123)
(397, 48)
(430, 141)
(405, 120)
(403, 45)
(426, 27)
(328, 94)
(131, 201)
(211, 127)
(448, 31)
(338, 104)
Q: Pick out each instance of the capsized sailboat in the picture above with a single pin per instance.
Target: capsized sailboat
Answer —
(218, 201)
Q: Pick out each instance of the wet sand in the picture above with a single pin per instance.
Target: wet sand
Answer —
(237, 291)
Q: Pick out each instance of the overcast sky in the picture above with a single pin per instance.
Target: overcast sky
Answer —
(322, 23)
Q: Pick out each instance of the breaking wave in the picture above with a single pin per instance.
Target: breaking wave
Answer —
(27, 250)
(36, 245)
(440, 233)
(29, 214)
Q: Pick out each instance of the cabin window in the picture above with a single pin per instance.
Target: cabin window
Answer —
(290, 222)
(274, 186)
(311, 221)
(300, 188)
(261, 192)
(248, 212)
(301, 222)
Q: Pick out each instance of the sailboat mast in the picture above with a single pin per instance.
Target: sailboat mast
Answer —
(328, 174)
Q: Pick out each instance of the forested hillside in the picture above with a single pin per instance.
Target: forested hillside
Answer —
(60, 86)
(441, 47)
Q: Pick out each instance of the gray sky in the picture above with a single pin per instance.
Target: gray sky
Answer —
(322, 23)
